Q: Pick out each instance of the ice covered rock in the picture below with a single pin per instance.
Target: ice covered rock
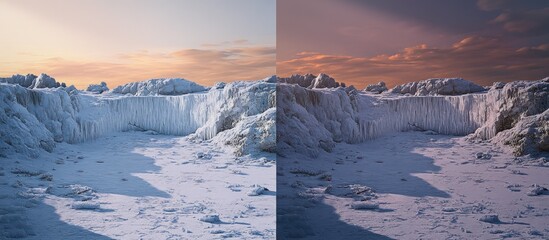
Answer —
(44, 81)
(497, 85)
(219, 85)
(520, 118)
(24, 81)
(490, 219)
(161, 86)
(438, 86)
(376, 88)
(32, 81)
(311, 81)
(257, 190)
(213, 218)
(536, 190)
(85, 205)
(98, 88)
(363, 205)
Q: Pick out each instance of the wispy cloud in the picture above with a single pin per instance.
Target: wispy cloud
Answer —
(480, 59)
(205, 66)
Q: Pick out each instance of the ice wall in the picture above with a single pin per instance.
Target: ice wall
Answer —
(60, 117)
(313, 119)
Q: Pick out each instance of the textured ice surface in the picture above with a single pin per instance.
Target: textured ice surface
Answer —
(32, 81)
(438, 86)
(311, 81)
(314, 119)
(98, 88)
(37, 119)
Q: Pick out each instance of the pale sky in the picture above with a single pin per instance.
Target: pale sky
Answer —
(88, 41)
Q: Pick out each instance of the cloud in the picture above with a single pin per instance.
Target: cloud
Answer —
(532, 22)
(521, 17)
(205, 66)
(480, 59)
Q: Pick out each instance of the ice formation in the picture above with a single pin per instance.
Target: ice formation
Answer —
(162, 86)
(311, 81)
(98, 88)
(37, 119)
(376, 88)
(313, 119)
(32, 81)
(438, 86)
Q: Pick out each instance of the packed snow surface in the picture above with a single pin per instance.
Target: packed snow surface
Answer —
(138, 185)
(414, 185)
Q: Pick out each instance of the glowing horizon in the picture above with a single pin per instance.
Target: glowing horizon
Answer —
(87, 42)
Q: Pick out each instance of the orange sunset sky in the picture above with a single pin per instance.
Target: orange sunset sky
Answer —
(89, 41)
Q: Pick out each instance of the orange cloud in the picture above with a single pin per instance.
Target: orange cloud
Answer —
(204, 66)
(480, 59)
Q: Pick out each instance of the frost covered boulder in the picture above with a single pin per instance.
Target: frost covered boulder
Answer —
(438, 86)
(376, 88)
(311, 81)
(324, 81)
(162, 86)
(98, 88)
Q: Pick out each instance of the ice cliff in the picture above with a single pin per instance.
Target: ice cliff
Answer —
(33, 120)
(313, 120)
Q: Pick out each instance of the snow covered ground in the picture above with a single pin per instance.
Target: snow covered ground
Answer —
(362, 165)
(100, 166)
(412, 185)
(134, 185)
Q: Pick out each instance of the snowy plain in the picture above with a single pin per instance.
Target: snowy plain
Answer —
(110, 166)
(425, 187)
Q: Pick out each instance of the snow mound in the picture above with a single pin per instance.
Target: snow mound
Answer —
(376, 88)
(438, 86)
(311, 81)
(32, 81)
(98, 88)
(161, 86)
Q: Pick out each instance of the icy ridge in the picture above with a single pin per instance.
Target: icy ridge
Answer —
(314, 119)
(39, 118)
(160, 86)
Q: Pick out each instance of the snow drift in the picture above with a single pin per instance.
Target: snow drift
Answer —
(34, 119)
(312, 120)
